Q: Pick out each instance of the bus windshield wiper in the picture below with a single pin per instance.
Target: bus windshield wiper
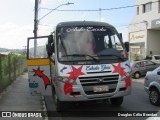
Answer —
(122, 58)
(79, 55)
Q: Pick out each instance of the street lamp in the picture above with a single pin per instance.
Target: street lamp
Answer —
(36, 21)
(54, 9)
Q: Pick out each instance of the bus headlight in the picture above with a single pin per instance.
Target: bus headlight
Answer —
(62, 79)
(65, 79)
(72, 81)
(128, 74)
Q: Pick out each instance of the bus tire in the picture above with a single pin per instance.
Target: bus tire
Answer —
(58, 104)
(116, 101)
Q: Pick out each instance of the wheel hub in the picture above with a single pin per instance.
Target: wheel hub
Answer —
(154, 97)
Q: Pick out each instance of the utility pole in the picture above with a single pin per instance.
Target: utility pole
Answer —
(35, 26)
(36, 21)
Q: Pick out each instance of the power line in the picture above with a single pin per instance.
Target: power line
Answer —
(100, 9)
(124, 7)
(55, 9)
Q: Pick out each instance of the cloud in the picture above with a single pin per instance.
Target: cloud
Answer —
(14, 36)
(45, 29)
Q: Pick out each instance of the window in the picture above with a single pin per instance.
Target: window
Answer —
(147, 7)
(137, 10)
(40, 50)
(157, 57)
(112, 42)
(149, 63)
(140, 64)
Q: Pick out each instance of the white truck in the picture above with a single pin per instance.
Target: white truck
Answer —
(82, 61)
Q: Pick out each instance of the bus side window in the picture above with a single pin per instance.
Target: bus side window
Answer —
(99, 40)
(106, 39)
(108, 42)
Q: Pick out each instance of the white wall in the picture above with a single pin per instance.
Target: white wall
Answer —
(142, 22)
(148, 16)
(153, 41)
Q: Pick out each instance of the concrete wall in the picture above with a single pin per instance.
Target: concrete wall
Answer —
(148, 16)
(142, 22)
(153, 41)
(139, 21)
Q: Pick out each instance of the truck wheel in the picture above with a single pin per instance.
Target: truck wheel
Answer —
(154, 96)
(116, 101)
(137, 75)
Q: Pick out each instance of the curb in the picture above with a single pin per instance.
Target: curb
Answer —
(44, 109)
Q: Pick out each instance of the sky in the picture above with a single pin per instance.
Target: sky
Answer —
(17, 17)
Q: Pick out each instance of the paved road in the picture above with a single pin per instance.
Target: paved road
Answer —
(137, 101)
(18, 98)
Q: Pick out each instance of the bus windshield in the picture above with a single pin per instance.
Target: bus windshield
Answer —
(82, 42)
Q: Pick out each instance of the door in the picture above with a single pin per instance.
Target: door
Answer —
(150, 65)
(139, 66)
(38, 63)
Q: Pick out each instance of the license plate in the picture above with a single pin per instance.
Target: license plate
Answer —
(100, 88)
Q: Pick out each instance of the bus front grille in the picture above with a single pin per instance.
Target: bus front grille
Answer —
(88, 83)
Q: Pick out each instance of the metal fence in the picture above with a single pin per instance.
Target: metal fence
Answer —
(11, 67)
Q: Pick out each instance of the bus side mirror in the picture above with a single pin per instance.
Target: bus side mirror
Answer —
(120, 34)
(50, 45)
(158, 73)
(126, 44)
(50, 39)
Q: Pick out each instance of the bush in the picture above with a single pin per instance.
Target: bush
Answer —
(136, 57)
(12, 66)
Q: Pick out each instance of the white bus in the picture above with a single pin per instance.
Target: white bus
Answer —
(82, 61)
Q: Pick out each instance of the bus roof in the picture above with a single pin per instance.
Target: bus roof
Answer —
(83, 23)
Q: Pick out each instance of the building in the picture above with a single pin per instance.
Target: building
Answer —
(144, 29)
(4, 54)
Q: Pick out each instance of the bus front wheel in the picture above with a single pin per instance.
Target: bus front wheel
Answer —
(58, 104)
(116, 101)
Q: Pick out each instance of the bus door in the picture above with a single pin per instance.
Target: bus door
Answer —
(38, 63)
